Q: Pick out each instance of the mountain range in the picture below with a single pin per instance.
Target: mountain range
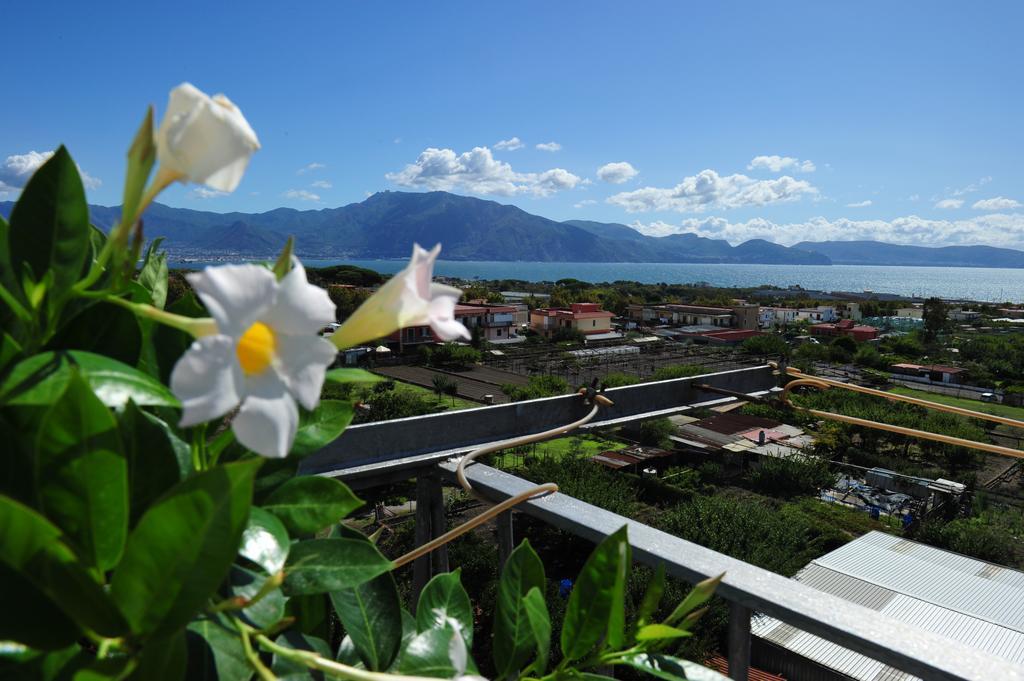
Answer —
(386, 224)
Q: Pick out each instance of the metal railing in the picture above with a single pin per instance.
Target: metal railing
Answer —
(423, 448)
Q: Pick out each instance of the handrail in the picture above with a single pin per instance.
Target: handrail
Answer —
(803, 380)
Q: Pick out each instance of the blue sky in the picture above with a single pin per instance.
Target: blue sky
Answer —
(898, 121)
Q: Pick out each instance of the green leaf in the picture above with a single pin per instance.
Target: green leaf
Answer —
(372, 616)
(697, 597)
(81, 477)
(652, 597)
(657, 632)
(157, 458)
(265, 541)
(284, 261)
(215, 653)
(589, 614)
(153, 275)
(443, 602)
(514, 643)
(105, 329)
(321, 565)
(671, 668)
(438, 653)
(169, 344)
(616, 635)
(31, 617)
(41, 379)
(285, 669)
(31, 546)
(343, 375)
(247, 584)
(141, 156)
(321, 426)
(540, 625)
(163, 659)
(183, 547)
(310, 503)
(9, 351)
(49, 228)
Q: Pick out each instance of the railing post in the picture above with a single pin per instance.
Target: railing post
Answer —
(429, 524)
(739, 642)
(506, 539)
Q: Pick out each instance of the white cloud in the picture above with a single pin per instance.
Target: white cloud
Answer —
(301, 195)
(707, 190)
(995, 229)
(972, 187)
(477, 172)
(310, 167)
(779, 163)
(17, 169)
(914, 197)
(617, 173)
(322, 184)
(949, 204)
(205, 193)
(584, 202)
(859, 204)
(998, 203)
(509, 144)
(549, 146)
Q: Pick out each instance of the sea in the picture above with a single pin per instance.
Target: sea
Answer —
(958, 283)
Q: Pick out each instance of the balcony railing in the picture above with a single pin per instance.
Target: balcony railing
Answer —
(423, 448)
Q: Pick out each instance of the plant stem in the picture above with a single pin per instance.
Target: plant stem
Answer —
(195, 326)
(250, 654)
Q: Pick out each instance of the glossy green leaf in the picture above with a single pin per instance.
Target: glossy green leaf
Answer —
(310, 503)
(12, 297)
(697, 597)
(345, 375)
(283, 265)
(514, 644)
(31, 546)
(439, 653)
(265, 612)
(657, 632)
(215, 653)
(81, 477)
(164, 659)
(265, 541)
(40, 380)
(285, 669)
(322, 565)
(371, 614)
(321, 427)
(141, 156)
(540, 625)
(615, 637)
(183, 547)
(102, 328)
(49, 227)
(444, 601)
(671, 668)
(153, 275)
(311, 614)
(157, 458)
(589, 613)
(652, 597)
(347, 653)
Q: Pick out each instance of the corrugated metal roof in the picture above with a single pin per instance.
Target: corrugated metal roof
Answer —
(965, 599)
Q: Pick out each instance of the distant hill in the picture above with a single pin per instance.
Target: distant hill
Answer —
(878, 253)
(386, 224)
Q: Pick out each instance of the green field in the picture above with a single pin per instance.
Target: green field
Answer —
(964, 403)
(427, 394)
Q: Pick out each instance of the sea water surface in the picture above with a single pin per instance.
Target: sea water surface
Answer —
(968, 283)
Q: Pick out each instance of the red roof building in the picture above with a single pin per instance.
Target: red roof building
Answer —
(846, 327)
(588, 318)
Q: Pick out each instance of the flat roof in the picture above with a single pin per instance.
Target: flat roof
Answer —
(964, 599)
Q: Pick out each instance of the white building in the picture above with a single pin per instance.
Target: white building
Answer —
(824, 314)
(777, 316)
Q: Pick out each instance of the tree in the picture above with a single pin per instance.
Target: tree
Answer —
(766, 345)
(936, 318)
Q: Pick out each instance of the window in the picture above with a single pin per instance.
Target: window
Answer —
(593, 323)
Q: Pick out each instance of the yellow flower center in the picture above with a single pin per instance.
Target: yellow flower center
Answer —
(256, 348)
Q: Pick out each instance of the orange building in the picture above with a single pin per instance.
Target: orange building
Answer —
(588, 318)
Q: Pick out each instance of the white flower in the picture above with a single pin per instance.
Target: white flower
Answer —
(407, 299)
(204, 139)
(264, 355)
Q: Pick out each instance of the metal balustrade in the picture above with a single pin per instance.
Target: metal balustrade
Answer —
(424, 448)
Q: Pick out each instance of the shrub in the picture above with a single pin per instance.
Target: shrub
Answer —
(791, 477)
(677, 371)
(655, 433)
(538, 386)
(766, 345)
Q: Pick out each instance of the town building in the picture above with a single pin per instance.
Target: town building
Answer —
(777, 316)
(587, 318)
(741, 316)
(821, 313)
(935, 373)
(960, 598)
(496, 324)
(916, 312)
(849, 310)
(846, 327)
(960, 315)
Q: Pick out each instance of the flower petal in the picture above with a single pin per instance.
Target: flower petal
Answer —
(442, 313)
(267, 426)
(303, 362)
(207, 379)
(301, 307)
(235, 295)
